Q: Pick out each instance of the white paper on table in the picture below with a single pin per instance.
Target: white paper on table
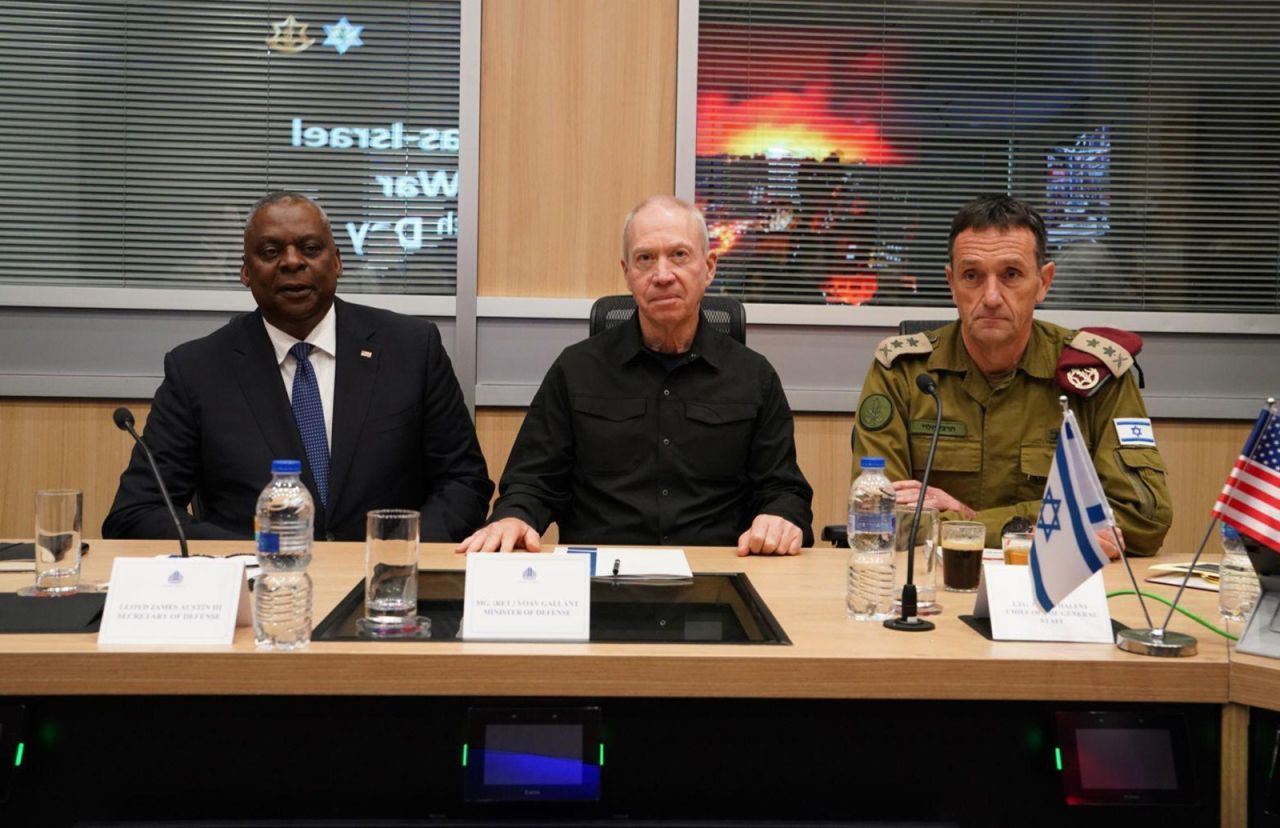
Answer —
(633, 562)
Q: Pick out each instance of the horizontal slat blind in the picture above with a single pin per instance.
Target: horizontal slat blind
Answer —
(136, 135)
(836, 140)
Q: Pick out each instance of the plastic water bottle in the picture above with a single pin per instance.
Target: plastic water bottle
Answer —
(871, 529)
(1238, 586)
(283, 527)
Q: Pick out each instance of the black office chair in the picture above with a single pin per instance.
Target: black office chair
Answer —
(724, 313)
(837, 534)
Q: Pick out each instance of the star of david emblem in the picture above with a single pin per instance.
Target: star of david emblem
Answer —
(897, 343)
(1047, 524)
(343, 35)
(1091, 343)
(290, 37)
(1136, 430)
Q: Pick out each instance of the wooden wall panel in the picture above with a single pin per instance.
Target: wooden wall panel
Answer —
(47, 443)
(577, 118)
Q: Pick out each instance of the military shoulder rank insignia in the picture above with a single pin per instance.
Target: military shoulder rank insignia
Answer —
(892, 347)
(1094, 356)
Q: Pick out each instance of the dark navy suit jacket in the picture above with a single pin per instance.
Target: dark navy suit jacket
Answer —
(402, 437)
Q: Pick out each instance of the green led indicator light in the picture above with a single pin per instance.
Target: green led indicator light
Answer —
(1057, 756)
(602, 754)
(464, 754)
(17, 757)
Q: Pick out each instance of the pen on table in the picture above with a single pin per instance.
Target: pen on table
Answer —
(617, 564)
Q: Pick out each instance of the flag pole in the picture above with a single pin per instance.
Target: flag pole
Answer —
(1271, 415)
(1158, 641)
(1128, 566)
(1111, 519)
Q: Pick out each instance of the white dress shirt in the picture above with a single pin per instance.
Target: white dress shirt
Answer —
(324, 361)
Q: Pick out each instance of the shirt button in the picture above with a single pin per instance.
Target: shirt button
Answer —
(666, 441)
(666, 538)
(666, 392)
(664, 492)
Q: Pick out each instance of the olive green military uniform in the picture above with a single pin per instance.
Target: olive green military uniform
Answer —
(997, 444)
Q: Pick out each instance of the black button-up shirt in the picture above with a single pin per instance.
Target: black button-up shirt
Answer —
(617, 448)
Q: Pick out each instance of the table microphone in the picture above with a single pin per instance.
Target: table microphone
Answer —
(909, 621)
(123, 418)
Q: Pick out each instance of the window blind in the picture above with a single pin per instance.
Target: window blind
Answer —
(136, 136)
(835, 140)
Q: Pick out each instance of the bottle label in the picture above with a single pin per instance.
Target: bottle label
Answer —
(881, 524)
(268, 542)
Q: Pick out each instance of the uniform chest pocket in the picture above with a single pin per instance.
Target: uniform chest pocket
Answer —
(952, 455)
(1034, 462)
(717, 441)
(608, 433)
(1036, 459)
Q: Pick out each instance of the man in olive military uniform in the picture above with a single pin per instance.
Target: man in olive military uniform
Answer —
(999, 374)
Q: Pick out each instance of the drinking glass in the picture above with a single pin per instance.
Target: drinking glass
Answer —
(925, 575)
(58, 515)
(391, 575)
(1017, 547)
(962, 544)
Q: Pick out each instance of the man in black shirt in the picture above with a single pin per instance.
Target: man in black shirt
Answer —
(659, 431)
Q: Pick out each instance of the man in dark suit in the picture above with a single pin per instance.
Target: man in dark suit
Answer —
(366, 398)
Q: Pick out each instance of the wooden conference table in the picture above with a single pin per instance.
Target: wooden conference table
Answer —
(830, 656)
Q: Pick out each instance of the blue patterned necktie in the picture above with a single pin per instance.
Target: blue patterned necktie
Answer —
(308, 411)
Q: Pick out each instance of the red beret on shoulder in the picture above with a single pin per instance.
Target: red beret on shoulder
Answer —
(1094, 356)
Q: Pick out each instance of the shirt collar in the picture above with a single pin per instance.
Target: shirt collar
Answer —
(708, 344)
(1039, 360)
(323, 337)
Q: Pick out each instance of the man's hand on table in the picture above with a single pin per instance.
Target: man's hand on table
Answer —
(504, 535)
(908, 492)
(1108, 542)
(770, 535)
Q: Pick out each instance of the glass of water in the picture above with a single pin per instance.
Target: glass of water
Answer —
(58, 514)
(925, 575)
(391, 575)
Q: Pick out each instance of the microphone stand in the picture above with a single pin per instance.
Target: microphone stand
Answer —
(123, 418)
(909, 621)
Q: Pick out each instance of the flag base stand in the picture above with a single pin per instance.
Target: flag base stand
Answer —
(913, 624)
(1156, 643)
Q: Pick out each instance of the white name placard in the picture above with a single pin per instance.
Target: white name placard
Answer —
(175, 601)
(1005, 597)
(527, 597)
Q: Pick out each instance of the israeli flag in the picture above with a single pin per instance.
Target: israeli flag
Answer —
(1065, 552)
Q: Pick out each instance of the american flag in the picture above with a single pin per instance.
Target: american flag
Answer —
(1251, 499)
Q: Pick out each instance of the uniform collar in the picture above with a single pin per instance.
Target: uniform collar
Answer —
(1039, 360)
(708, 345)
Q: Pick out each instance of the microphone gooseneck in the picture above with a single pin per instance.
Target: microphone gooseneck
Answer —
(909, 620)
(123, 419)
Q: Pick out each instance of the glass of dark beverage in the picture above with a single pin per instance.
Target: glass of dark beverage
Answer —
(962, 543)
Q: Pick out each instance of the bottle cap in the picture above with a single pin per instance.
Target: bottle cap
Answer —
(286, 467)
(873, 462)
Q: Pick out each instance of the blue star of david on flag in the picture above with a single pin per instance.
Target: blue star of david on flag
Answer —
(1066, 552)
(342, 35)
(1047, 505)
